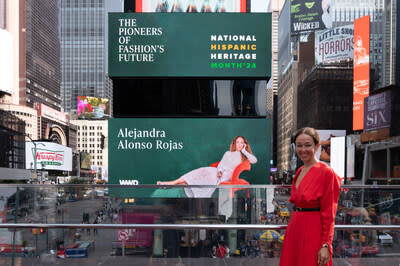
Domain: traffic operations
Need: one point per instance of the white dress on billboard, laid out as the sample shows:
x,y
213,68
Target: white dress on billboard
x,y
208,175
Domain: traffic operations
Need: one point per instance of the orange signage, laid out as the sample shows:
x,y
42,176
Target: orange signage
x,y
360,70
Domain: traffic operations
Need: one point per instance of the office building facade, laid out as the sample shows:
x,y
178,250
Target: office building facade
x,y
84,50
326,98
92,138
384,22
33,27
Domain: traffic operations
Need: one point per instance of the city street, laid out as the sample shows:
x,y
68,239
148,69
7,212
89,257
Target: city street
x,y
195,131
111,261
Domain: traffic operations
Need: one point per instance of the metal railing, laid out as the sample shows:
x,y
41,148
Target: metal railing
x,y
186,226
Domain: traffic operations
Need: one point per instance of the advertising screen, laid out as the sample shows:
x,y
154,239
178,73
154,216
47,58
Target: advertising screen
x,y
361,70
93,108
85,161
220,45
338,155
333,45
324,150
377,112
148,151
191,6
307,16
49,156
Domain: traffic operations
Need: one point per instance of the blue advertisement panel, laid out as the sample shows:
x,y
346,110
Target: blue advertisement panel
x,y
377,112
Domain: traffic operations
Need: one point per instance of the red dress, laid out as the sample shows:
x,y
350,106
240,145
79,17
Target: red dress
x,y
308,231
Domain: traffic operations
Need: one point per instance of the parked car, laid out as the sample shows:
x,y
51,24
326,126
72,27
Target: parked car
x,y
369,250
384,238
283,212
343,248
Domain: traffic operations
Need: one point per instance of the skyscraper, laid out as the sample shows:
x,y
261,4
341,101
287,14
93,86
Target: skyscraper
x,y
276,6
33,26
84,50
384,31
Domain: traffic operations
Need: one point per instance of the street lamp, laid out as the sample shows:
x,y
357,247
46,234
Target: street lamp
x,y
42,176
34,155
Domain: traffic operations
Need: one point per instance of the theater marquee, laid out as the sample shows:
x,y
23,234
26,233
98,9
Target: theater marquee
x,y
334,45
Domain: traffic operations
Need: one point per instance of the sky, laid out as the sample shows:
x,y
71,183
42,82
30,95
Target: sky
x,y
260,5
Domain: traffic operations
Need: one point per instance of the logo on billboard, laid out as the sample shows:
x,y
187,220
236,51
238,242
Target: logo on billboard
x,y
377,111
295,8
47,157
333,45
309,4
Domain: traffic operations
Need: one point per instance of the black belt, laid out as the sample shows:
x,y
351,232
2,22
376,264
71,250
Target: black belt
x,y
297,209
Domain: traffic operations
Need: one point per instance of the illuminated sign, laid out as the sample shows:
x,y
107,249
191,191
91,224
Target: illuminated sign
x,y
49,156
361,70
307,16
220,45
93,108
334,45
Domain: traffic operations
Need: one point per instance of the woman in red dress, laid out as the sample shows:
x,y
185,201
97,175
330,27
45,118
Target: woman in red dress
x,y
315,193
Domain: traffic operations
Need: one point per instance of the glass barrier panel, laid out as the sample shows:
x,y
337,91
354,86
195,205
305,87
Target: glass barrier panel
x,y
258,214
187,246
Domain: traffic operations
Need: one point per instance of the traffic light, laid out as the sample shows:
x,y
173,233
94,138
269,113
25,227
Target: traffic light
x,y
37,231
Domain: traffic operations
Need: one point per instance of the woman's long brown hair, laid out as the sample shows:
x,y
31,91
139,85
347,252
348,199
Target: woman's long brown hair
x,y
233,147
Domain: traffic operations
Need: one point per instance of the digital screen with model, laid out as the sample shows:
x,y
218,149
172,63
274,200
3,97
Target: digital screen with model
x,y
156,150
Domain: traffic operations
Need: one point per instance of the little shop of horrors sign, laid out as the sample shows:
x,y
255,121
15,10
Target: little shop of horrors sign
x,y
333,45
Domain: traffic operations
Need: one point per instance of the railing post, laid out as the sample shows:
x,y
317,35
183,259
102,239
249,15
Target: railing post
x,y
15,221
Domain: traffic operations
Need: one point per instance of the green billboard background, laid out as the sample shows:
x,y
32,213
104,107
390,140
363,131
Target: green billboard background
x,y
188,143
180,45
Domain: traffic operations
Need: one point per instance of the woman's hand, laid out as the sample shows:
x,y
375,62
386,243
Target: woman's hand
x,y
323,256
244,146
219,174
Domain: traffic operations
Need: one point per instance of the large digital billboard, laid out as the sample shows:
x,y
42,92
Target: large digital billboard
x,y
191,6
360,69
377,111
307,16
85,160
146,151
49,156
220,45
93,108
333,45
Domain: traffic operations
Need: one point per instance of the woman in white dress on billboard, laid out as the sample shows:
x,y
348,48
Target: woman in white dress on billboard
x,y
239,152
